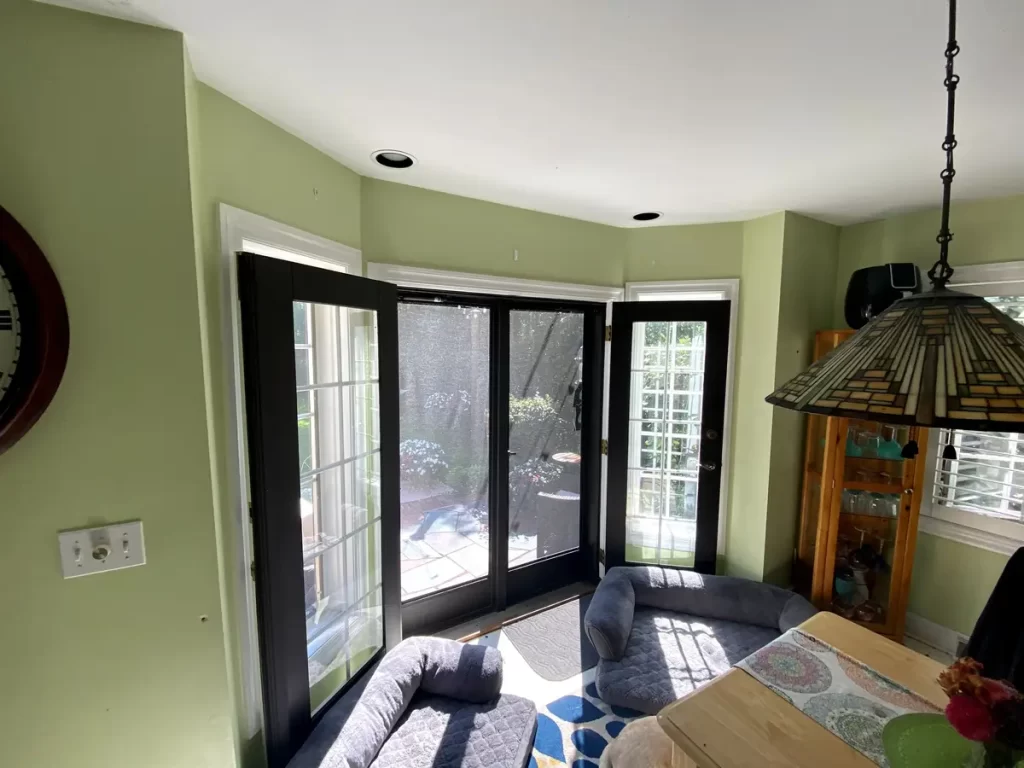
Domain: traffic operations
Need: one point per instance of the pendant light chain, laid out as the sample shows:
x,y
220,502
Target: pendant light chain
x,y
941,272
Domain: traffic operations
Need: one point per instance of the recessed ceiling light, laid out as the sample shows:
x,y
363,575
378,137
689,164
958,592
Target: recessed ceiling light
x,y
647,216
392,158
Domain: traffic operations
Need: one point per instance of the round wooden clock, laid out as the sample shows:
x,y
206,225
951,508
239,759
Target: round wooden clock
x,y
33,332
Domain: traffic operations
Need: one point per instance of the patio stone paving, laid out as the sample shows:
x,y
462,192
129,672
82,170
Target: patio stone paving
x,y
451,552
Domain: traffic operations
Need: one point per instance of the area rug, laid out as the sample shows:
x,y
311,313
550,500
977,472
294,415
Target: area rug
x,y
574,730
553,641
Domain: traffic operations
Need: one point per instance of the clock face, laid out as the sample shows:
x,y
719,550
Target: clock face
x,y
33,332
10,338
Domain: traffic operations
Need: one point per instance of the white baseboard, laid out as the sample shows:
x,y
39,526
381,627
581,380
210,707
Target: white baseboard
x,y
937,636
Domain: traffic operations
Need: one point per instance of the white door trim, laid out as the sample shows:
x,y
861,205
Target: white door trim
x,y
242,230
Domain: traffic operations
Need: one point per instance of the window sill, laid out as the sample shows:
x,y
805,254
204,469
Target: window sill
x,y
993,534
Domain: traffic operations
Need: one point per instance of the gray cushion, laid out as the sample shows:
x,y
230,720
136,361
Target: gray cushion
x,y
670,654
609,616
441,732
715,597
797,611
353,732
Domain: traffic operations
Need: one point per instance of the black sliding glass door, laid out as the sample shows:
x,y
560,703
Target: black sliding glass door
x,y
500,417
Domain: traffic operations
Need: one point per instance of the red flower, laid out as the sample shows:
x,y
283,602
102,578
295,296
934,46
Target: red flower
x,y
971,718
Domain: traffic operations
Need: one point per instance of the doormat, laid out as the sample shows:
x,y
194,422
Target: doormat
x,y
553,641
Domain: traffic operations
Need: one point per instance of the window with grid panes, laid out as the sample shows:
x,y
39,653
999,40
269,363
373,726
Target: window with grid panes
x,y
987,476
664,446
339,448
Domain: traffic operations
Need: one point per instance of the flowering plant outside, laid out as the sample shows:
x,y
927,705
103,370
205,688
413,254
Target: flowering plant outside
x,y
985,710
534,472
422,461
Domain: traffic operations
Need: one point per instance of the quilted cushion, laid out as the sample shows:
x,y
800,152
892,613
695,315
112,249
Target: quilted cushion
x,y
670,654
439,732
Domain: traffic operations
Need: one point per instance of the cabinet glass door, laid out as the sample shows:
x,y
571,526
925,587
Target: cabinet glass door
x,y
874,494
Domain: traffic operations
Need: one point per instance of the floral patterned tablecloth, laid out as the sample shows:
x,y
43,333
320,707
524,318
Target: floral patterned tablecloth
x,y
848,698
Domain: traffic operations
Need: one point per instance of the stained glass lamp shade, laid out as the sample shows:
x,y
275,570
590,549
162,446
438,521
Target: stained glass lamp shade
x,y
936,359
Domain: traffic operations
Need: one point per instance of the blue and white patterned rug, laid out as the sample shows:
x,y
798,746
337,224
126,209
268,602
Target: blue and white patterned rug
x,y
576,728
573,725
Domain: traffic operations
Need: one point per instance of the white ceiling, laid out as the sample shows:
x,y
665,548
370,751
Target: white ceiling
x,y
706,110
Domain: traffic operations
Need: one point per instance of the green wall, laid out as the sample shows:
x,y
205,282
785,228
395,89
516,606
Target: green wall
x,y
809,252
951,581
786,259
760,289
249,163
694,252
416,227
127,668
984,232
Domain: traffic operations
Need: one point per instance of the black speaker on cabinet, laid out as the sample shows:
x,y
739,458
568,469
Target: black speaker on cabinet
x,y
873,289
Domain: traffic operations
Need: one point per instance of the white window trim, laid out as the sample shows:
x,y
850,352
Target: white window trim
x,y
978,530
730,289
241,230
467,282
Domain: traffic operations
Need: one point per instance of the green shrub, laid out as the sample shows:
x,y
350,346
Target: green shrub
x,y
468,479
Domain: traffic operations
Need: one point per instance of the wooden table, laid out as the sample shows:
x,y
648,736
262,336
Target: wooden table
x,y
735,721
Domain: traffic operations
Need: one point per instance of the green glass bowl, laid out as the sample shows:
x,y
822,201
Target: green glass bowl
x,y
925,741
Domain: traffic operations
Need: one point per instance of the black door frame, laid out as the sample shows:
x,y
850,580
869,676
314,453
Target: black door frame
x,y
624,314
267,288
501,588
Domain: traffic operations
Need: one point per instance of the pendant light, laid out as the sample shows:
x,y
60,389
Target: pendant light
x,y
936,359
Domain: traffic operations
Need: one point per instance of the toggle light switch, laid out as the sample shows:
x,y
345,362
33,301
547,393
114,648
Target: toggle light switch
x,y
96,550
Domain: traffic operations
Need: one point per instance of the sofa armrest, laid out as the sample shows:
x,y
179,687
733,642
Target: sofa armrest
x,y
796,611
609,619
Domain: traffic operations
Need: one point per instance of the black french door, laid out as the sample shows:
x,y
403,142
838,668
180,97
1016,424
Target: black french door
x,y
321,380
416,458
665,426
500,451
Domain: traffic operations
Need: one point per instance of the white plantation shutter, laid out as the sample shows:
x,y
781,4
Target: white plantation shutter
x,y
988,475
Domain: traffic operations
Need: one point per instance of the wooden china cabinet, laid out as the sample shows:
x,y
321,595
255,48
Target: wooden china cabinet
x,y
859,513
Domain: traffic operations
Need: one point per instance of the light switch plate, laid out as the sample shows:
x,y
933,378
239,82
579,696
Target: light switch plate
x,y
98,550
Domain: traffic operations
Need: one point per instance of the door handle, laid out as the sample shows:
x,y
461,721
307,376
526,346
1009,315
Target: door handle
x,y
710,466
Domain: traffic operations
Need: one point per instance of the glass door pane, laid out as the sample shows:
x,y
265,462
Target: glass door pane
x,y
545,428
665,403
444,370
337,407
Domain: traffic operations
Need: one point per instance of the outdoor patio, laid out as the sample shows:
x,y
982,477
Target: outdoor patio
x,y
451,546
